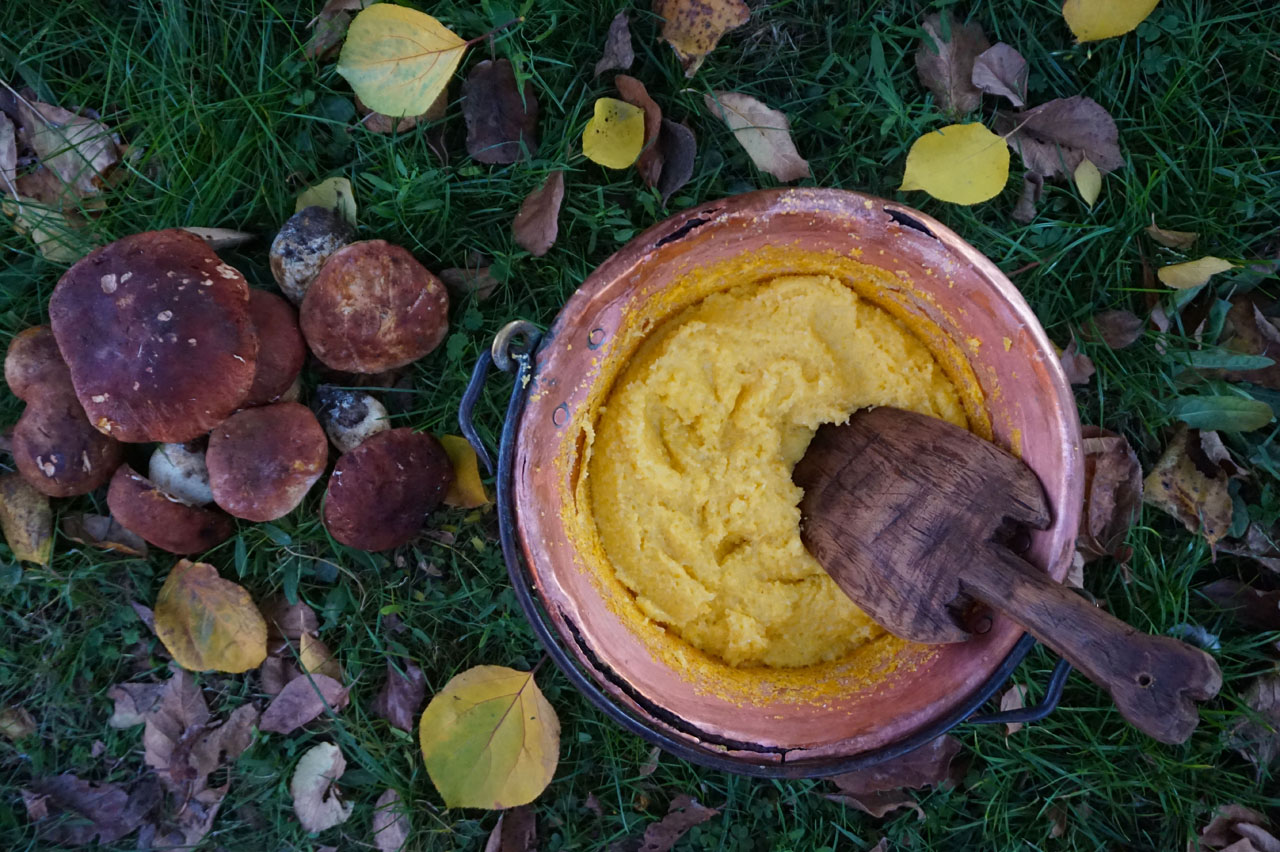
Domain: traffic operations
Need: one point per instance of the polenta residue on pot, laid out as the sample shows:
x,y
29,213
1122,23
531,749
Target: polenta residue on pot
x,y
689,468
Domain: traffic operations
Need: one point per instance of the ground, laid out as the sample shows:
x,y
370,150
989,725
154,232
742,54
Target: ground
x,y
232,121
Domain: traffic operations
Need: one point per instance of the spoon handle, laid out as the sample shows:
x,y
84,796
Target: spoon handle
x,y
1154,680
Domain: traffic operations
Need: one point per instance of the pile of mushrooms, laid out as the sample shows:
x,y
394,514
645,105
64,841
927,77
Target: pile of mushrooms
x,y
154,339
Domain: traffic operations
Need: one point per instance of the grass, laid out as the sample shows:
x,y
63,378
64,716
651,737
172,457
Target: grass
x,y
232,121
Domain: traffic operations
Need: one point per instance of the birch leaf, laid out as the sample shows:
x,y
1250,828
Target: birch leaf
x,y
959,163
26,519
1181,240
207,622
315,794
398,60
1193,273
694,27
765,133
615,134
1088,181
1091,20
1001,70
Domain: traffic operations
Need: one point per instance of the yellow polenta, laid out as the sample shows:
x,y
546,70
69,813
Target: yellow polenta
x,y
690,468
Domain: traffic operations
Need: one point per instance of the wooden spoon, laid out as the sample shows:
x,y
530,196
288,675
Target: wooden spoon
x,y
903,511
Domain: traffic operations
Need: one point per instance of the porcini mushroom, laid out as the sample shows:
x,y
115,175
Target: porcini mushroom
x,y
164,520
263,461
303,245
374,307
179,470
281,349
55,447
381,491
349,416
156,332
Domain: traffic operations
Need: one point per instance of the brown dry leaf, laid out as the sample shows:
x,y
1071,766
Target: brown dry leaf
x,y
1117,329
1188,483
316,657
1001,70
1112,494
479,282
17,723
618,54
1181,240
300,701
1054,137
207,622
693,27
223,745
765,133
47,189
1251,607
1014,699
651,762
8,156
376,122
329,27
501,121
633,92
288,621
515,831
1258,544
277,672
400,699
26,519
102,531
537,224
134,702
1253,333
79,150
1032,187
1078,366
945,62
316,799
683,813
929,765
390,823
1239,829
172,728
878,804
679,149
102,811
1257,738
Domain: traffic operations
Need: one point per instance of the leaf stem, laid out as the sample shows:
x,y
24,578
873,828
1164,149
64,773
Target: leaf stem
x,y
496,30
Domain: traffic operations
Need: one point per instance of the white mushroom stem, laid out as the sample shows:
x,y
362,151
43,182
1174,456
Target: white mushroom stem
x,y
180,472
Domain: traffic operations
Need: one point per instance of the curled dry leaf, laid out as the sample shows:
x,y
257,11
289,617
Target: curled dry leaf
x,y
1251,607
1054,137
515,831
945,62
1117,329
694,27
466,491
490,739
683,813
398,60
333,193
650,161
614,136
538,222
1193,273
1032,187
1091,20
401,695
1257,737
134,702
302,700
959,163
207,622
102,531
1015,698
679,148
1181,240
1001,70
102,811
1112,494
390,823
1078,366
1190,483
618,53
501,116
26,519
316,799
1239,829
765,133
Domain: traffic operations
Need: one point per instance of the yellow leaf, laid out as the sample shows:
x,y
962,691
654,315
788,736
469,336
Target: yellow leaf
x,y
316,657
466,491
1091,20
693,27
26,519
335,193
1193,273
615,134
1088,181
207,622
1171,239
398,60
959,163
490,739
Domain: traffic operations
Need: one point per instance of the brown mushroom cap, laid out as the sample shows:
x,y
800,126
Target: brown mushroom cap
x,y
381,491
281,349
374,307
164,521
303,245
33,366
59,452
156,332
262,461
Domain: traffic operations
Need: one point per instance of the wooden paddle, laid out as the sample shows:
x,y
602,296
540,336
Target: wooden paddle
x,y
904,510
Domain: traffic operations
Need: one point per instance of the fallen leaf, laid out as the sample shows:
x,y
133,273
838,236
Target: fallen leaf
x,y
1193,273
376,122
1239,829
53,233
398,60
401,695
316,657
1001,70
334,193
316,799
1078,366
26,519
538,222
1180,240
102,811
221,238
186,827
276,673
1251,607
466,491
945,62
1054,137
1192,487
501,117
879,804
1057,821
79,150
9,155
329,27
288,621
37,806
390,823
1257,737
1013,699
171,729
145,615
515,831
1228,413
1088,181
683,813
679,149
1032,187
615,134
134,702
223,745
1257,544
959,163
1091,20
301,701
929,765
207,622
1117,329
478,282
618,54
633,92
102,531
1253,333
17,723
1112,494
651,763
694,27
490,739
765,133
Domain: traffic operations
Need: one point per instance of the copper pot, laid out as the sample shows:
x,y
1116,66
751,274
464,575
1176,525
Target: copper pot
x,y
887,697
